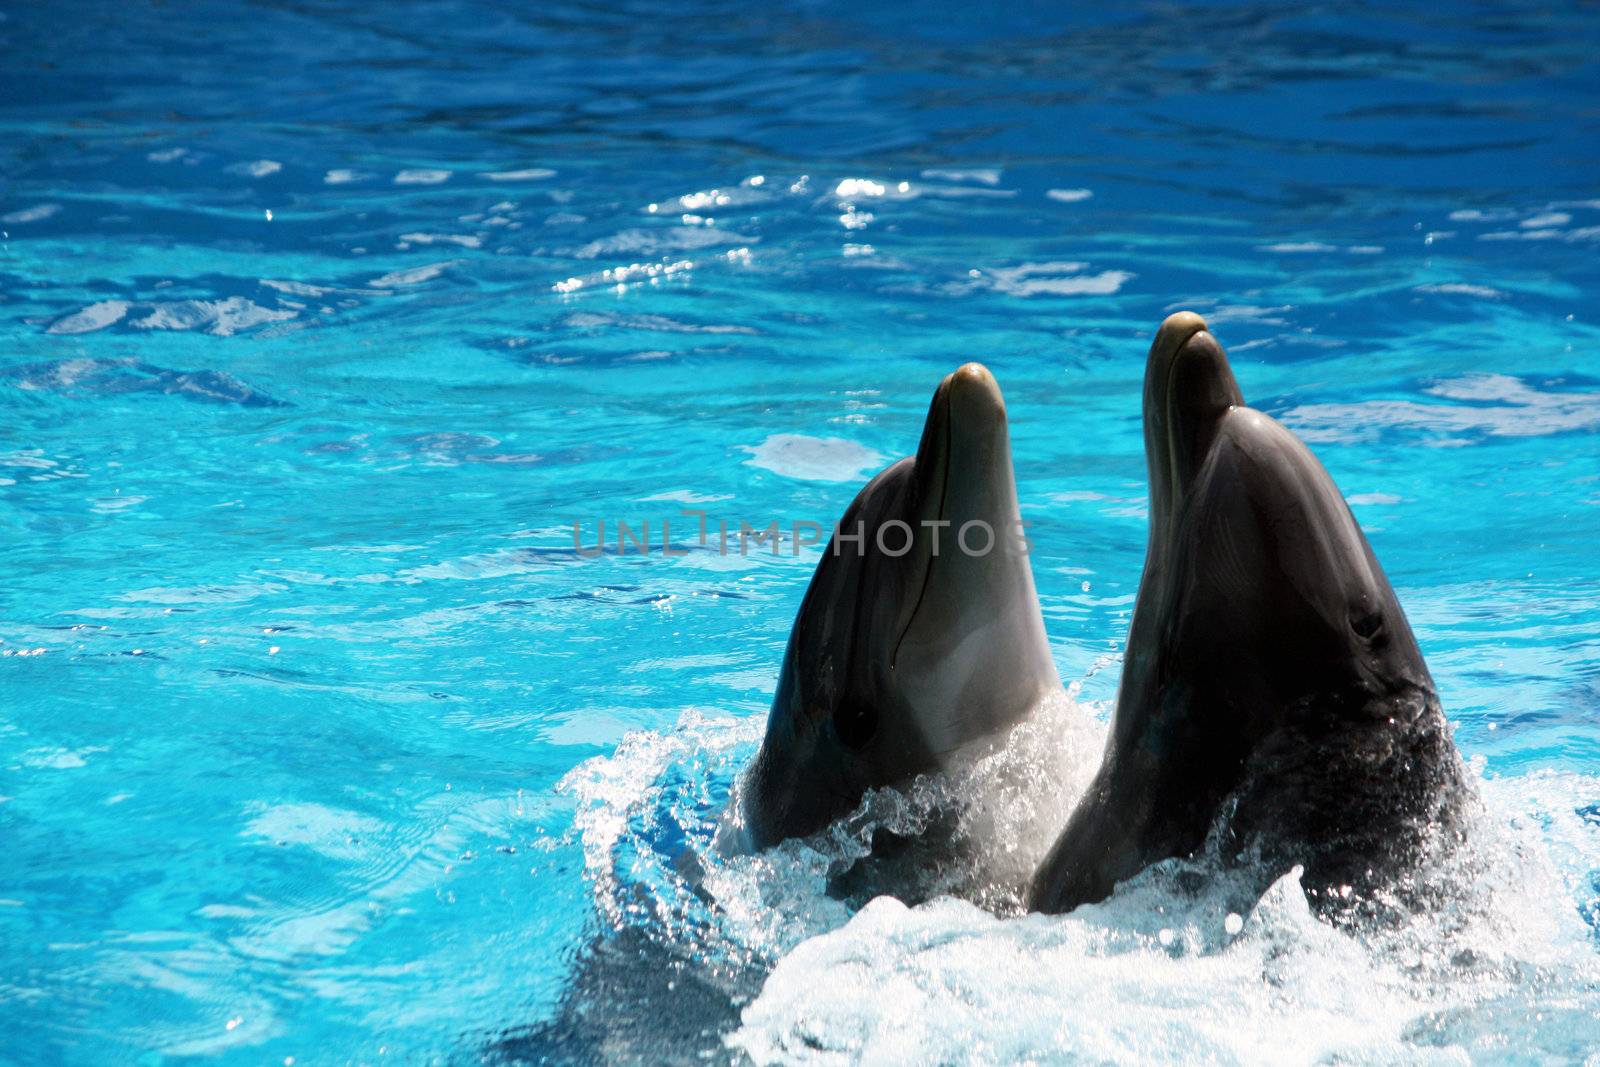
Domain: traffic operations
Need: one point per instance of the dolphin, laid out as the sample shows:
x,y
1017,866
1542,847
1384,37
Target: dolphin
x,y
919,639
911,651
1273,699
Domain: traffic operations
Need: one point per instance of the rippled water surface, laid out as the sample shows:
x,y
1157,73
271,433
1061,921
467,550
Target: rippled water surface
x,y
323,323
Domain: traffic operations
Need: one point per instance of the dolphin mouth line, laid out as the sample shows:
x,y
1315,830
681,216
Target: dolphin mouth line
x,y
1168,415
1180,477
927,573
1170,418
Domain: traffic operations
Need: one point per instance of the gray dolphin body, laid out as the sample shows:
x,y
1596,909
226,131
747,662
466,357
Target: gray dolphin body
x,y
1272,691
900,662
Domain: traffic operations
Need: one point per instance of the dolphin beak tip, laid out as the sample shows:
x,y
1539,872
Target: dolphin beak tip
x,y
975,394
1175,332
1174,336
1184,322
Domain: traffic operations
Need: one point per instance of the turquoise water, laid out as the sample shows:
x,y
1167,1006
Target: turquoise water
x,y
323,324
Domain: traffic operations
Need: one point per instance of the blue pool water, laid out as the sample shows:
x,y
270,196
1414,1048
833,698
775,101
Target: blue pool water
x,y
321,324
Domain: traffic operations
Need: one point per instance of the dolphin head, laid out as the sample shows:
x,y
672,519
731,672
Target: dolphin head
x,y
1249,533
920,632
1270,671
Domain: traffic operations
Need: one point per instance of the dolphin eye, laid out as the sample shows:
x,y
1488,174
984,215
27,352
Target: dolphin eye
x,y
1367,625
855,723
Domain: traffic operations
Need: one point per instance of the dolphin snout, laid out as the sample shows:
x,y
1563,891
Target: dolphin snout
x,y
1188,387
1175,332
1201,381
1190,364
974,397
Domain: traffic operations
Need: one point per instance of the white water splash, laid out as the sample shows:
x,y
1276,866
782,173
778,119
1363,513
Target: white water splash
x,y
1162,972
1156,974
1014,799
